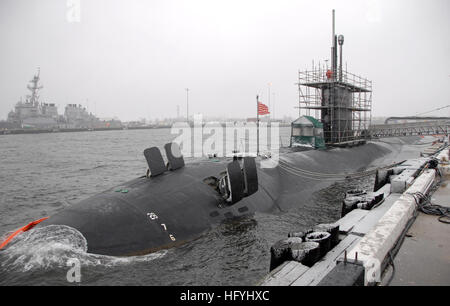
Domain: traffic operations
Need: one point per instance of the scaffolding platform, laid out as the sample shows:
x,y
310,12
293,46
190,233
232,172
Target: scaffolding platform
x,y
340,100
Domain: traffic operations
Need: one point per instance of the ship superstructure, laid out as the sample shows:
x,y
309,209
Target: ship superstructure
x,y
77,116
33,113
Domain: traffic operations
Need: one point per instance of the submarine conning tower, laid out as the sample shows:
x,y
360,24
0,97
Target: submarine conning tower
x,y
340,100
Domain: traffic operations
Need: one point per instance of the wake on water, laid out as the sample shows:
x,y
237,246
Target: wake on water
x,y
54,246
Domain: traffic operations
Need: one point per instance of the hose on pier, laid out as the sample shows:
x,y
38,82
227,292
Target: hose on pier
x,y
425,205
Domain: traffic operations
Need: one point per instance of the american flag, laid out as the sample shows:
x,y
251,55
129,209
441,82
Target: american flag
x,y
262,109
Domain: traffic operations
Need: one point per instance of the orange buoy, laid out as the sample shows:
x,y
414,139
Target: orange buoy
x,y
20,230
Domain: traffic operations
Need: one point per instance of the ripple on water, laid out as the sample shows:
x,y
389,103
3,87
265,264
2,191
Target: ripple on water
x,y
53,247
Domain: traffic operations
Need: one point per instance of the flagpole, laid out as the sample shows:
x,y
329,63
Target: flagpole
x,y
257,125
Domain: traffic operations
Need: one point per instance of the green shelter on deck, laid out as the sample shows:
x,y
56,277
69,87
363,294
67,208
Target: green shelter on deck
x,y
307,131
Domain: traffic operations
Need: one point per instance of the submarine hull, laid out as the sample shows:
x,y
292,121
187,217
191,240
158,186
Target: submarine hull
x,y
148,214
160,212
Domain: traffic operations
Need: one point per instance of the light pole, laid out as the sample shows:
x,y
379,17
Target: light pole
x,y
187,104
268,87
273,106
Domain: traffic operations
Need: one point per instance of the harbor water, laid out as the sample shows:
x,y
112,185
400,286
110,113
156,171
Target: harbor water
x,y
45,173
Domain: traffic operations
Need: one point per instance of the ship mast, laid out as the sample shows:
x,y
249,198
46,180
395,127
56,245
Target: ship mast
x,y
34,88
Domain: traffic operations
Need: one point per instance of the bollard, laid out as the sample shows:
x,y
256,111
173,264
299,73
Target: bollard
x,y
331,228
349,203
280,251
307,253
324,240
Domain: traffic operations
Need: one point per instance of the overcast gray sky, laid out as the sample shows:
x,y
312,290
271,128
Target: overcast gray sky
x,y
134,58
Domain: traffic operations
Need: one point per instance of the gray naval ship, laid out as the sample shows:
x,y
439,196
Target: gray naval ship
x,y
31,113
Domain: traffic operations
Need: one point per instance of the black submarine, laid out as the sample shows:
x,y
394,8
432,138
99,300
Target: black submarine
x,y
177,202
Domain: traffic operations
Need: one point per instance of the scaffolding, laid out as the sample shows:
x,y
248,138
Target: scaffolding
x,y
342,101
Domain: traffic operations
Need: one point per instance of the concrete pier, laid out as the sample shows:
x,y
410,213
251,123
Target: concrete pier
x,y
369,239
424,257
